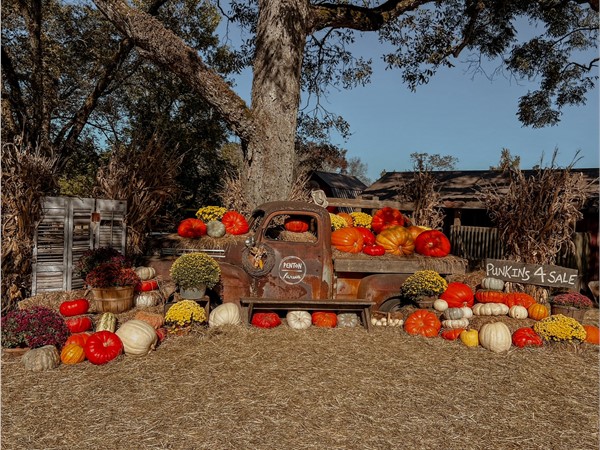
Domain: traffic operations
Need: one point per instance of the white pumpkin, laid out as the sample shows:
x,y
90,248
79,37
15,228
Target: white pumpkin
x,y
147,299
467,312
145,273
455,323
299,320
518,312
225,314
139,338
495,337
440,305
453,313
493,284
490,309
349,320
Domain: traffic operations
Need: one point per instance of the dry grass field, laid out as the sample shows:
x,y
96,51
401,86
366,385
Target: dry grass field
x,y
247,388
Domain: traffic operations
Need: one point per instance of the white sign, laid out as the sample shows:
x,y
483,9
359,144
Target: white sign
x,y
292,270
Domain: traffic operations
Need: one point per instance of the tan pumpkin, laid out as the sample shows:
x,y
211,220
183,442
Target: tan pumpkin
x,y
455,323
154,319
139,338
42,358
225,314
145,273
495,337
490,309
299,320
518,312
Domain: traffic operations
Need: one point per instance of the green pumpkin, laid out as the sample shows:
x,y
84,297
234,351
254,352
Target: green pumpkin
x,y
215,229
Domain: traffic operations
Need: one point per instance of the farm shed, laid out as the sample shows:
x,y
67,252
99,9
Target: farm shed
x,y
469,227
336,185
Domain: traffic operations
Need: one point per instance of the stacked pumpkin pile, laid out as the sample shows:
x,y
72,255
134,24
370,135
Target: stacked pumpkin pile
x,y
388,232
458,305
213,221
147,293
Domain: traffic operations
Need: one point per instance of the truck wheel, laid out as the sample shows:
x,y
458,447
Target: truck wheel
x,y
258,261
391,305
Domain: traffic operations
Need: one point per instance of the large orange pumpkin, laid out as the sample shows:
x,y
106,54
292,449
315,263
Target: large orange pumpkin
x,y
348,240
592,334
386,217
489,296
537,311
518,298
396,240
423,322
458,295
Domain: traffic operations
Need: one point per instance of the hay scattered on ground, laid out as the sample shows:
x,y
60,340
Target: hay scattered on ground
x,y
248,388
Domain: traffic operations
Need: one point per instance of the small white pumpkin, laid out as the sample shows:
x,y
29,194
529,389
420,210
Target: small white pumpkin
x,y
490,309
440,305
455,323
349,320
147,299
299,320
139,338
495,337
225,314
518,312
467,312
145,273
493,284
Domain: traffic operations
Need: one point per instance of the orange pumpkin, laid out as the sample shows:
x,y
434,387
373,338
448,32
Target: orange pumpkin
x,y
396,240
324,319
78,338
489,296
592,334
537,311
72,354
347,218
518,298
348,240
423,322
415,230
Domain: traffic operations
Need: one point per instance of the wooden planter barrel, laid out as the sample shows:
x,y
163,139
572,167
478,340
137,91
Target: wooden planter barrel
x,y
113,299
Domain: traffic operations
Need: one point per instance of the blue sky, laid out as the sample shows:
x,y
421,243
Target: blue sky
x,y
458,114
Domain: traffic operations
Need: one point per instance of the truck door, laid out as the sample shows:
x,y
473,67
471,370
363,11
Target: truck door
x,y
289,258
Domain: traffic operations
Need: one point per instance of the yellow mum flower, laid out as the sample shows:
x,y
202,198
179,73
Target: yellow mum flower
x,y
208,213
361,219
559,328
423,283
185,312
337,222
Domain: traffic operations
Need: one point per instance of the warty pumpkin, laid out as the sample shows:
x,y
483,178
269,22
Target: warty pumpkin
x,y
396,240
215,229
42,358
495,337
347,240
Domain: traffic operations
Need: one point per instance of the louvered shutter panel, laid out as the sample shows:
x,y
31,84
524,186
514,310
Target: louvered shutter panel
x,y
111,231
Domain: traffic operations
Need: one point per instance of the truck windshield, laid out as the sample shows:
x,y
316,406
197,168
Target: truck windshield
x,y
300,228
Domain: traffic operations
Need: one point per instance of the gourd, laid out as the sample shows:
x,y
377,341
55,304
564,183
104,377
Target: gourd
x,y
495,337
458,294
396,240
215,229
147,299
518,312
492,283
349,320
324,319
225,314
467,312
145,273
490,309
537,311
107,322
455,323
299,320
347,240
470,338
155,320
139,338
72,354
453,313
440,305
489,296
42,358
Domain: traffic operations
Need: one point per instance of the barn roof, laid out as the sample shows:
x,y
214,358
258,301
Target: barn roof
x,y
340,181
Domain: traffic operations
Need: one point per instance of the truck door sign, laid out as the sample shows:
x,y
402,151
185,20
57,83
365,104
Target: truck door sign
x,y
292,270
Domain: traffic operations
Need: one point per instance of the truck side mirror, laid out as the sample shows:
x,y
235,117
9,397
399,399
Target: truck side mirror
x,y
249,241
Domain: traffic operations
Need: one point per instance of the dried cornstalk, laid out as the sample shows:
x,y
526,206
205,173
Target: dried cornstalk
x,y
233,196
145,175
27,176
423,191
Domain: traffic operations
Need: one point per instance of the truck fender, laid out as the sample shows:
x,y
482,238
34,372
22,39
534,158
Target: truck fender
x,y
382,289
235,283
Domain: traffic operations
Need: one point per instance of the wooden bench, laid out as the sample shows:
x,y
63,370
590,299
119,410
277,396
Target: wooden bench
x,y
361,306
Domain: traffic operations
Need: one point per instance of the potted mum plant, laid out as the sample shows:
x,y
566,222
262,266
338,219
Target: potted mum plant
x,y
113,286
571,304
194,273
423,287
34,327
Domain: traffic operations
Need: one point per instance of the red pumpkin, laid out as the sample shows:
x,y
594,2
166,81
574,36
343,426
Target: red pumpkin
x,y
295,224
489,296
102,347
79,324
368,236
234,223
324,319
592,334
432,243
78,338
518,298
386,217
422,322
266,320
526,336
146,286
191,228
161,333
458,295
347,240
374,250
396,240
452,334
74,307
